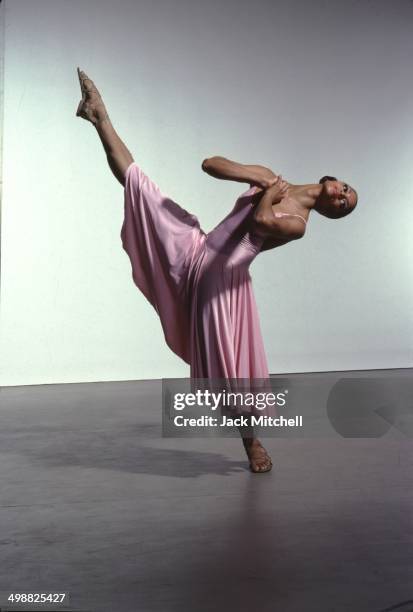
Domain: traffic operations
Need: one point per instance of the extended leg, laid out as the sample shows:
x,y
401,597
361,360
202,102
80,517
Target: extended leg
x,y
93,109
117,154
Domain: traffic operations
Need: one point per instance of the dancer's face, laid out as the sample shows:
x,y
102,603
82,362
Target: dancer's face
x,y
337,199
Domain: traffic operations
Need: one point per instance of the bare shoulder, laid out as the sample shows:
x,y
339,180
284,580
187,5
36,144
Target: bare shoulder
x,y
290,226
284,228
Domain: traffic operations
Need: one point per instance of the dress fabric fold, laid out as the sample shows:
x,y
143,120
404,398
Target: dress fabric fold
x,y
198,283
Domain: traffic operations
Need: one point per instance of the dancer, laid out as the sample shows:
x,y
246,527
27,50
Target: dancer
x,y
198,283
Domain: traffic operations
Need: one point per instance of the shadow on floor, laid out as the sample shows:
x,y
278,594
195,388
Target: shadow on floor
x,y
120,451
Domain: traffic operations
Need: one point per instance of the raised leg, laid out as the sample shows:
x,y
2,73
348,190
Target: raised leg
x,y
117,154
93,109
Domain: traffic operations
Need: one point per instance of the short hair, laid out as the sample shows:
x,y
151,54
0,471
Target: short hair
x,y
337,215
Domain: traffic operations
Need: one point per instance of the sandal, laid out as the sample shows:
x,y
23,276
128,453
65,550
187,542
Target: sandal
x,y
262,453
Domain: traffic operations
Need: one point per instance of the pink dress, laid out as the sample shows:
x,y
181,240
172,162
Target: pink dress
x,y
198,283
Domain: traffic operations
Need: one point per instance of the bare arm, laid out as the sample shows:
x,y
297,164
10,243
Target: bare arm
x,y
223,168
266,224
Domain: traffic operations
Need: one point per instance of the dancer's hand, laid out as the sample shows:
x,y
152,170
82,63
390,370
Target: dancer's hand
x,y
277,190
266,183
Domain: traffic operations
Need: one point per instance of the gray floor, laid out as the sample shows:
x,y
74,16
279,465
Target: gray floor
x,y
95,503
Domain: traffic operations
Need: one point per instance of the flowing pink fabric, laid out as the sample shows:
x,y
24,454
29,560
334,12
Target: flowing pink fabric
x,y
199,284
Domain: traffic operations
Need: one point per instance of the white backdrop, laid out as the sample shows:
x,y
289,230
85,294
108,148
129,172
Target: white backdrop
x,y
306,88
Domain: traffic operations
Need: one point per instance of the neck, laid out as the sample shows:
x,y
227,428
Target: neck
x,y
306,194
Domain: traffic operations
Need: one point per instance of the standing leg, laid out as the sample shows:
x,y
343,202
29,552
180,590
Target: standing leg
x,y
260,461
93,109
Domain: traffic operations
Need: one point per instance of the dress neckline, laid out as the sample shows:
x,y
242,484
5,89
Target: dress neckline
x,y
255,189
